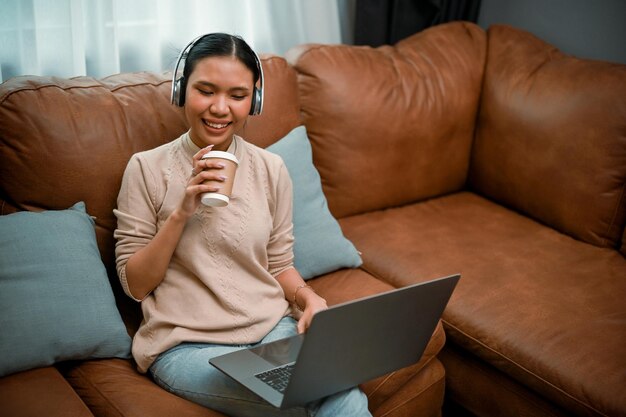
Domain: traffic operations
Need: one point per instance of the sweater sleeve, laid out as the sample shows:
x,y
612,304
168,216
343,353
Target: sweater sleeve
x,y
280,246
136,215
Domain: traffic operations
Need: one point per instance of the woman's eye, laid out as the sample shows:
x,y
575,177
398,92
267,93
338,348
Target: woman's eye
x,y
205,92
239,97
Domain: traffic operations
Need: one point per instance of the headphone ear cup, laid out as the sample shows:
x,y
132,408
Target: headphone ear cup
x,y
256,102
179,92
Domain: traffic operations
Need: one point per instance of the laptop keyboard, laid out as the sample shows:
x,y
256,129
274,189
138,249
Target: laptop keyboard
x,y
277,378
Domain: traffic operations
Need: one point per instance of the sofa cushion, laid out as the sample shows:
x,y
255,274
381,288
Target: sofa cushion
x,y
407,392
114,388
319,246
348,284
475,384
394,124
55,295
78,134
40,392
550,139
527,296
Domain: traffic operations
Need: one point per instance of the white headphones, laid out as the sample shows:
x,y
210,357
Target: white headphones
x,y
179,84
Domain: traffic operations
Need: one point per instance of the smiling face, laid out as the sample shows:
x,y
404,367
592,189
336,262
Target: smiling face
x,y
217,100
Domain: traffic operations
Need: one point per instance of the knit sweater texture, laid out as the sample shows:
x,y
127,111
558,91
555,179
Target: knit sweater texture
x,y
220,284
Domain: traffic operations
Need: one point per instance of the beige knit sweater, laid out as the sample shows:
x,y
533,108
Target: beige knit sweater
x,y
220,285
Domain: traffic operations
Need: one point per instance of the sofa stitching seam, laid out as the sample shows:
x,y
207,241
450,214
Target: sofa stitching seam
x,y
523,394
75,87
614,217
389,376
311,48
414,396
383,382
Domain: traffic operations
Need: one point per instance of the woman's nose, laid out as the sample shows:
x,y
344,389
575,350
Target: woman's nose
x,y
219,106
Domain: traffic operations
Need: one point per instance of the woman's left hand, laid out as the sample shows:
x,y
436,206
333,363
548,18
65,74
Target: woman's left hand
x,y
314,303
304,300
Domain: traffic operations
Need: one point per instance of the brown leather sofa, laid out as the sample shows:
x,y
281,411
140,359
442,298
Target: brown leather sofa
x,y
489,153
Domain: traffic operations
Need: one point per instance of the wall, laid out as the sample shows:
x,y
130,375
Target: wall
x,y
586,28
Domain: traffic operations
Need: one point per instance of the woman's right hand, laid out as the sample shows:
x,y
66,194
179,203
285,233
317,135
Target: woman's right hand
x,y
146,268
203,170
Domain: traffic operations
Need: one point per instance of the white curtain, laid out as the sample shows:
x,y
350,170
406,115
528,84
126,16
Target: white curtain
x,y
102,37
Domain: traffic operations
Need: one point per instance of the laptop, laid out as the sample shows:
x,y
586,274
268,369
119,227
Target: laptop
x,y
347,344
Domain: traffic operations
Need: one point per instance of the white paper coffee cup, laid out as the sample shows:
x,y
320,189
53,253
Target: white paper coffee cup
x,y
221,198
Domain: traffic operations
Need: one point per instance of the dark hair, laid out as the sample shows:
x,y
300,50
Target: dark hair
x,y
221,44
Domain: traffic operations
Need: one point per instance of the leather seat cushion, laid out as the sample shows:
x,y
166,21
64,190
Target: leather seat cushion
x,y
40,392
525,299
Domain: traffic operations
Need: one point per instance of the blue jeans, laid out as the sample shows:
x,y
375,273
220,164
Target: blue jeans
x,y
184,370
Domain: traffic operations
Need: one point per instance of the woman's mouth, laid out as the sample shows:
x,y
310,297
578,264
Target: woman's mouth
x,y
214,125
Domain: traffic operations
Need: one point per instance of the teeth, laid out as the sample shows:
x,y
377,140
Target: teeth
x,y
216,125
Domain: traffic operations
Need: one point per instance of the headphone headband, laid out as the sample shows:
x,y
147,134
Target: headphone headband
x,y
177,96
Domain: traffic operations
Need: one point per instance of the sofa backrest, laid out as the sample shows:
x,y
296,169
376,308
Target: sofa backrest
x,y
394,124
551,137
63,141
69,140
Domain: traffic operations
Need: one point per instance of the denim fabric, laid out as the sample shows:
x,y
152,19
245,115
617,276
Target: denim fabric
x,y
185,371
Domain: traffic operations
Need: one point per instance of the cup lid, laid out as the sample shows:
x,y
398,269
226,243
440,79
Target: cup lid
x,y
214,199
221,155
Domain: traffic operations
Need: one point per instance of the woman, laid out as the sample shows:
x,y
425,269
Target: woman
x,y
211,280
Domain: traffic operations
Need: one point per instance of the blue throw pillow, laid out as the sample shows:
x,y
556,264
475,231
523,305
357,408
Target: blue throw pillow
x,y
56,302
320,246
